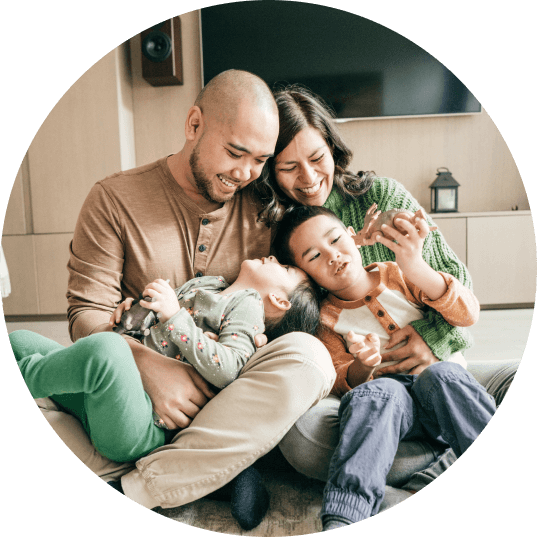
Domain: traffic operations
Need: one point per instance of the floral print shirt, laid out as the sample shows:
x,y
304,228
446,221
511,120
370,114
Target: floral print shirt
x,y
236,318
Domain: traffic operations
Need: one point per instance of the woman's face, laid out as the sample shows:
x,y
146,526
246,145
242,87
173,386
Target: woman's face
x,y
305,168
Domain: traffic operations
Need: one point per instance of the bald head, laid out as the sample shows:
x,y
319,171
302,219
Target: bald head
x,y
233,91
230,133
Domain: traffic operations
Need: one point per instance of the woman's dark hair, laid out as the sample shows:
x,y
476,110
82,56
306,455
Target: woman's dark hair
x,y
298,109
302,316
291,220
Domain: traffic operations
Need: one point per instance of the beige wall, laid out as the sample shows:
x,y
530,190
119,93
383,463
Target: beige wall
x,y
112,119
160,112
409,150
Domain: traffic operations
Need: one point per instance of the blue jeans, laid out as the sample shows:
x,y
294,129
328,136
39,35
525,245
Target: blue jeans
x,y
444,404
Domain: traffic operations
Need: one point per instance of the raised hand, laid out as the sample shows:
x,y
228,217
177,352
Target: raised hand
x,y
370,218
405,241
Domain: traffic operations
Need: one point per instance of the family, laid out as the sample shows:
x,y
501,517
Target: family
x,y
253,228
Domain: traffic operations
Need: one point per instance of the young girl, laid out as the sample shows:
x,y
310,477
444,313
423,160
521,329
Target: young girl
x,y
97,380
364,306
266,298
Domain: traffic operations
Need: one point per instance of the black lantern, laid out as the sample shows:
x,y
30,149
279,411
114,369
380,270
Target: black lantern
x,y
444,193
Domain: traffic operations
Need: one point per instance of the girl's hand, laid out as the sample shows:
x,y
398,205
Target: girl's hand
x,y
115,318
408,245
164,301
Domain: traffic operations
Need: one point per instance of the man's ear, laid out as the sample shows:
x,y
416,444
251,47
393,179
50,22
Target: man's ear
x,y
194,123
279,302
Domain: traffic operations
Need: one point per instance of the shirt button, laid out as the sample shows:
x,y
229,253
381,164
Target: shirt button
x,y
367,298
205,221
199,274
391,327
202,248
380,313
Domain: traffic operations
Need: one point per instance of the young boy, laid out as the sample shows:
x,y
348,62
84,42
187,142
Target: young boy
x,y
364,306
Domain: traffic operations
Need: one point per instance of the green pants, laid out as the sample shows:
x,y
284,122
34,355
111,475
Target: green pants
x,y
97,380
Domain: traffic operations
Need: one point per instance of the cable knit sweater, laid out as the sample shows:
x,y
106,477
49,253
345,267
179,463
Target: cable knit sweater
x,y
442,338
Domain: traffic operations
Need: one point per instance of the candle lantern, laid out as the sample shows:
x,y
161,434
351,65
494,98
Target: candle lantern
x,y
444,192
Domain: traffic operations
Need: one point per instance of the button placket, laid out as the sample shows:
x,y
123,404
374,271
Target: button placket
x,y
382,316
202,248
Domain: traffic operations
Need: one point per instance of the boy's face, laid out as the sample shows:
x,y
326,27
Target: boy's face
x,y
325,250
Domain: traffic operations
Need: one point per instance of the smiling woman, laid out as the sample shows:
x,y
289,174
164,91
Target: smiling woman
x,y
305,168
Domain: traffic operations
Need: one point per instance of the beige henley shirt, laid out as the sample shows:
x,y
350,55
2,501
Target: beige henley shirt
x,y
139,225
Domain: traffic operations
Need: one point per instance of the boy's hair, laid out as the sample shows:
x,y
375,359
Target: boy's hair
x,y
292,219
302,316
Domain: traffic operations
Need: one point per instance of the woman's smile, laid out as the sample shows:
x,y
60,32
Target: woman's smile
x,y
305,168
312,189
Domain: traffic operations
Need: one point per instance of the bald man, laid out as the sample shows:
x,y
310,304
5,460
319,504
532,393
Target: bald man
x,y
185,216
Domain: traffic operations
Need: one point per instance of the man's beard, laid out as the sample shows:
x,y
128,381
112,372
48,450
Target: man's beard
x,y
204,185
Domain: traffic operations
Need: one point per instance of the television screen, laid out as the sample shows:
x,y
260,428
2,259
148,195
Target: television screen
x,y
362,69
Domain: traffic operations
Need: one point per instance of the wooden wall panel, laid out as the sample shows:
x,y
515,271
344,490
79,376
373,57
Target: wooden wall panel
x,y
15,222
454,231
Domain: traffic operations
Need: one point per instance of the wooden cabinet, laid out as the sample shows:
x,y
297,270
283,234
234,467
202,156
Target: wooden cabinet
x,y
499,250
38,274
88,135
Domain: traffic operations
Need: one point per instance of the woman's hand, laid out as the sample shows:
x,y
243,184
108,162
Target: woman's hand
x,y
164,301
413,357
115,318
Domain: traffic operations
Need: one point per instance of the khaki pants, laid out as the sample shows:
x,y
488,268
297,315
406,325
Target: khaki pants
x,y
241,424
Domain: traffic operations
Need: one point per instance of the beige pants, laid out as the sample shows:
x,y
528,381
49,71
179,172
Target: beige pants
x,y
242,423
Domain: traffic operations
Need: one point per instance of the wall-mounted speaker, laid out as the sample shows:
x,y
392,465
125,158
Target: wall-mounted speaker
x,y
162,59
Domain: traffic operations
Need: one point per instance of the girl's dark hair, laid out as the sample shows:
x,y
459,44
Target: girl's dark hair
x,y
298,109
290,221
302,316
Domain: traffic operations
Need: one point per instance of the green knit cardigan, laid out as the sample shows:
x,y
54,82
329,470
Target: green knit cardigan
x,y
442,338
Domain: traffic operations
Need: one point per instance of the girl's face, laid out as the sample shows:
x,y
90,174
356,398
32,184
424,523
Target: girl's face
x,y
268,276
305,168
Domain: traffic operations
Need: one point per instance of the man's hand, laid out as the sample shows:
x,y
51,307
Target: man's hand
x,y
120,310
415,355
178,392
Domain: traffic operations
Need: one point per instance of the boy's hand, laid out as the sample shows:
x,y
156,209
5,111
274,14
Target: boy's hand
x,y
115,318
370,217
408,243
164,301
365,349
